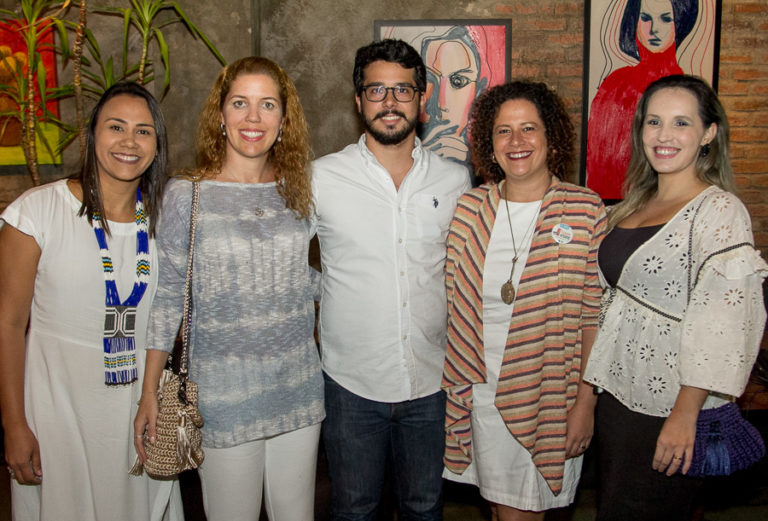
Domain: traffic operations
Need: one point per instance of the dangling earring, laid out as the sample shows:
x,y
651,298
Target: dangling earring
x,y
704,150
280,135
223,129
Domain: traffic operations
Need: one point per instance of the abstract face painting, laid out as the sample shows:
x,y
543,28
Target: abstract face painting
x,y
463,58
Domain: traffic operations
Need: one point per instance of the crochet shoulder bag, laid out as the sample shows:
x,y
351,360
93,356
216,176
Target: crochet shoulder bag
x,y
178,443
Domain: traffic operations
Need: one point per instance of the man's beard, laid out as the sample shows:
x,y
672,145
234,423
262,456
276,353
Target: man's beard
x,y
390,137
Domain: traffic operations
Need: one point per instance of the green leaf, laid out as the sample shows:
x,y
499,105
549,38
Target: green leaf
x,y
166,62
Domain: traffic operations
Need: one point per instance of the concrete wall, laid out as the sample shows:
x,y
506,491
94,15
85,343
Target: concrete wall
x,y
315,41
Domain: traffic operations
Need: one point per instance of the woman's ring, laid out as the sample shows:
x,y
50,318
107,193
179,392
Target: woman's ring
x,y
676,458
139,436
12,473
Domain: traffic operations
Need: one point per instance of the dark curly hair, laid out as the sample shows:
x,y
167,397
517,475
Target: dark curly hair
x,y
558,127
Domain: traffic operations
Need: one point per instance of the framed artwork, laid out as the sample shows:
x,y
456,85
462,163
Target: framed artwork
x,y
463,58
628,45
13,52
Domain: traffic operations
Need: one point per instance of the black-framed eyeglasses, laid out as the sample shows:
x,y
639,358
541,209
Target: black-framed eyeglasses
x,y
402,93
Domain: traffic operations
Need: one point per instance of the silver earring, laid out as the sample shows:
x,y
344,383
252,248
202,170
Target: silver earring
x,y
223,129
280,135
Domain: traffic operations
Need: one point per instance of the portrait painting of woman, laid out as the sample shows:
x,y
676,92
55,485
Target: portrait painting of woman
x,y
639,42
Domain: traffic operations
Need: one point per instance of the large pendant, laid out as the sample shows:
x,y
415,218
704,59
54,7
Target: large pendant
x,y
508,292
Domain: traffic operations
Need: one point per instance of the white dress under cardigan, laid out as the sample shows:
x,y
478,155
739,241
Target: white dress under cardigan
x,y
84,427
653,337
501,467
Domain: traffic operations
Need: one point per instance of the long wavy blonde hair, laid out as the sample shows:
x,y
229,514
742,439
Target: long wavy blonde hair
x,y
289,157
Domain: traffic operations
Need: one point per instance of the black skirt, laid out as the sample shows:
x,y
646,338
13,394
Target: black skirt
x,y
629,489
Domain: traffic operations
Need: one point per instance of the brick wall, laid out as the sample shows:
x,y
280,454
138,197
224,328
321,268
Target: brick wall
x,y
744,92
548,45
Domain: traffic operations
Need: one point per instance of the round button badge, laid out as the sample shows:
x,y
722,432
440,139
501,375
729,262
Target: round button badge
x,y
562,233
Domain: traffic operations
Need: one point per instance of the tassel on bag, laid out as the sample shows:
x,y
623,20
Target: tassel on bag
x,y
178,443
716,461
188,451
725,442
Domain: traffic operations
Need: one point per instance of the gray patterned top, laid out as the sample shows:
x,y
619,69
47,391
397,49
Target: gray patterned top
x,y
252,352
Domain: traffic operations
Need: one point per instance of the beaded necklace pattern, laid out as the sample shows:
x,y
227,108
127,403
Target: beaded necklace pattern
x,y
120,318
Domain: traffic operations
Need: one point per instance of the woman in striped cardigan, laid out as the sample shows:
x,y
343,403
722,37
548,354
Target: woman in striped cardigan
x,y
523,299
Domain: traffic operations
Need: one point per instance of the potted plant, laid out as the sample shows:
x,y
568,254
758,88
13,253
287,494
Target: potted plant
x,y
26,94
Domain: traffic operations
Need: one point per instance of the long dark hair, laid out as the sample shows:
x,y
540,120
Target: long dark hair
x,y
153,179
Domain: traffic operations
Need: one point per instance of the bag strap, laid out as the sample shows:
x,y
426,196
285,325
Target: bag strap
x,y
186,321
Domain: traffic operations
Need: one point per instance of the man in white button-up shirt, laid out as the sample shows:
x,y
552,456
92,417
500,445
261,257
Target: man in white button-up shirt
x,y
384,205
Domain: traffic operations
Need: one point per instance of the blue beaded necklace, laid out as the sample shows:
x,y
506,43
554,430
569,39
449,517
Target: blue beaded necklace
x,y
120,320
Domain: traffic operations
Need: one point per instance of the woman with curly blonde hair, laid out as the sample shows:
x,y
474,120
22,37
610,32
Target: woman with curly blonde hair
x,y
252,350
289,156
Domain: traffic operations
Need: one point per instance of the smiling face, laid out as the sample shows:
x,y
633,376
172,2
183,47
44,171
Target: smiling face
x,y
656,25
673,132
252,116
389,122
520,142
124,139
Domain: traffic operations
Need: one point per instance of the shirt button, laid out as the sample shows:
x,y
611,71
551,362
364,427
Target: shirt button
x,y
405,304
402,273
399,240
405,337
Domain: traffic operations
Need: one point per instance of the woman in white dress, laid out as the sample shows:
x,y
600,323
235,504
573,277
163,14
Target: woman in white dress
x,y
77,263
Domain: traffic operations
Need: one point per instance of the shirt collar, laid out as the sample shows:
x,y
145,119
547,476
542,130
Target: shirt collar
x,y
416,154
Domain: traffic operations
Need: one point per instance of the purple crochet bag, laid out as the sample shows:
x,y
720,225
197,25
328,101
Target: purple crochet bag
x,y
725,442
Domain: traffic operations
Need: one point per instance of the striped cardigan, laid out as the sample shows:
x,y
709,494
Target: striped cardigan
x,y
558,295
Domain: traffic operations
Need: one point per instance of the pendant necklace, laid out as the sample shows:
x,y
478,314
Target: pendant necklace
x,y
508,288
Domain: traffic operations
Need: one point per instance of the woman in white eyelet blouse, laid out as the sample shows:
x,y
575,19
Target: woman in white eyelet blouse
x,y
682,314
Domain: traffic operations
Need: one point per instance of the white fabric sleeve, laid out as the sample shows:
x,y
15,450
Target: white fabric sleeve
x,y
723,324
25,213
